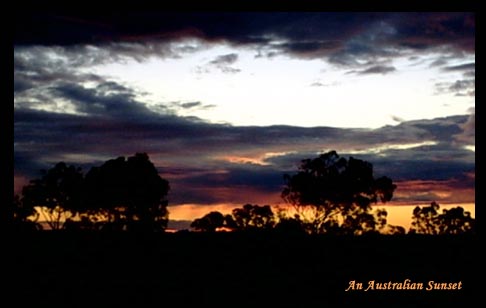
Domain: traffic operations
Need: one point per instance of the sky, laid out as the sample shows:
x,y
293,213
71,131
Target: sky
x,y
226,103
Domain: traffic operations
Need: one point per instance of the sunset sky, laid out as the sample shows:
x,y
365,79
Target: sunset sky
x,y
224,104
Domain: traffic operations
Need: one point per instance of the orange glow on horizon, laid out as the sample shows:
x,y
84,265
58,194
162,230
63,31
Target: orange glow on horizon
x,y
398,214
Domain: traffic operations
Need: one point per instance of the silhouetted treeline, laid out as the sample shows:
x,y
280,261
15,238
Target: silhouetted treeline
x,y
249,217
333,195
329,195
425,220
121,194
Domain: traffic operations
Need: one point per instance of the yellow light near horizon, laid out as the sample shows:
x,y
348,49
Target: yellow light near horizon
x,y
398,215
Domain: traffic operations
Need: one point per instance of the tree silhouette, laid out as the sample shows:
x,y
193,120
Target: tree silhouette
x,y
290,225
249,217
427,220
22,215
57,194
334,195
209,222
129,193
253,217
456,221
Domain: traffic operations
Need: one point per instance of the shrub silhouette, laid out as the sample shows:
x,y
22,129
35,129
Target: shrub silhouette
x,y
427,220
334,195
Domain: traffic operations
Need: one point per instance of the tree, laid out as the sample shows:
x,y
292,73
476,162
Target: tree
x,y
209,222
427,220
290,225
22,215
334,195
129,193
253,217
57,194
249,217
456,221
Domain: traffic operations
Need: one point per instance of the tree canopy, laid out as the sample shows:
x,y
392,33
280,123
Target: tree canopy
x,y
427,220
247,218
129,192
121,194
57,193
334,195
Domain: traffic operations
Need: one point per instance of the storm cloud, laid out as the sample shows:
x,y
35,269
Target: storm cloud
x,y
359,38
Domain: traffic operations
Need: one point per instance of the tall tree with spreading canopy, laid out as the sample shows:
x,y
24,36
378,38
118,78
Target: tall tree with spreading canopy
x,y
57,194
334,195
129,192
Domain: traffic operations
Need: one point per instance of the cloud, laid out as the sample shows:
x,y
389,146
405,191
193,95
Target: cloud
x,y
462,87
225,59
190,105
349,39
82,118
468,134
110,120
321,84
438,62
460,189
222,63
397,119
378,69
460,67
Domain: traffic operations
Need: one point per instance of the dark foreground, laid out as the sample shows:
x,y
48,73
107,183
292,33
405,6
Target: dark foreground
x,y
233,270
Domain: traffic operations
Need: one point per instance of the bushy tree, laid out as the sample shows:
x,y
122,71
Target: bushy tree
x,y
253,217
427,220
121,194
334,195
57,194
129,192
209,222
248,217
22,215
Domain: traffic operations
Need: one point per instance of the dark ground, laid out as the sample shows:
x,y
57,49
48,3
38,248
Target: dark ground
x,y
48,269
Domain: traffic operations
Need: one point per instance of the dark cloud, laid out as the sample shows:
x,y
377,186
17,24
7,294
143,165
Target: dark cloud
x,y
460,67
197,156
222,63
429,30
438,62
464,87
85,119
379,69
190,105
342,38
225,59
468,134
397,118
